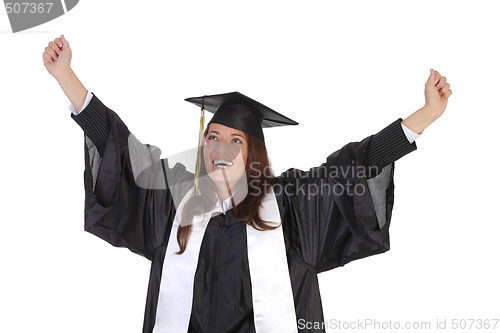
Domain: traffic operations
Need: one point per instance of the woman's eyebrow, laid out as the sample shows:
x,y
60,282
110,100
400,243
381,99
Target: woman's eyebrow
x,y
233,134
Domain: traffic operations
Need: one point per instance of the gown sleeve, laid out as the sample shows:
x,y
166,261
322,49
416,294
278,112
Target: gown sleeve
x,y
341,211
127,198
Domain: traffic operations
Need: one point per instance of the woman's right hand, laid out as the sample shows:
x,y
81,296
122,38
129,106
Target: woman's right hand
x,y
57,57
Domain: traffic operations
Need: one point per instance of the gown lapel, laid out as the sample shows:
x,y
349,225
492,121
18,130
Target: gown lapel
x,y
272,296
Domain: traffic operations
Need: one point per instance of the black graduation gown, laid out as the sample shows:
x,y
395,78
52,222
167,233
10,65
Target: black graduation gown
x,y
322,230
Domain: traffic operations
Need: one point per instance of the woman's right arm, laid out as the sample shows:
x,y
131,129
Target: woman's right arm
x,y
117,208
57,60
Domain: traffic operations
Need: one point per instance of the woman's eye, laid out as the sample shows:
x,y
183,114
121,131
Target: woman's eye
x,y
212,137
237,140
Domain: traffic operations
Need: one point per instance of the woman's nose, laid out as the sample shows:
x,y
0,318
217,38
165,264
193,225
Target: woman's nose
x,y
226,150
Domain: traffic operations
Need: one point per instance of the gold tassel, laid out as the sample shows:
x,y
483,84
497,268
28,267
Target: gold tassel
x,y
198,160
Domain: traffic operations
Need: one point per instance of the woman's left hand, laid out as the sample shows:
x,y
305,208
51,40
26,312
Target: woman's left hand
x,y
437,92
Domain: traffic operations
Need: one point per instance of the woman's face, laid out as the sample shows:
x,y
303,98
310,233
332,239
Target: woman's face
x,y
225,152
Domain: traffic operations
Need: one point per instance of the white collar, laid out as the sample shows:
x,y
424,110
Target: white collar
x,y
223,206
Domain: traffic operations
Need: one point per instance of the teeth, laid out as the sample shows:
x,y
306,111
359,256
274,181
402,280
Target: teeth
x,y
222,163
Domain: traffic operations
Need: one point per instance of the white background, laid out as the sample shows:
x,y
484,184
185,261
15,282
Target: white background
x,y
343,70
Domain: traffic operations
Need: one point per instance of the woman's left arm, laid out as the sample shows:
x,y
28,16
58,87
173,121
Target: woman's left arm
x,y
341,211
437,92
392,143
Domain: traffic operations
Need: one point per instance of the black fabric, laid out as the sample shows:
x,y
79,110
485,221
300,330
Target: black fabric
x,y
94,122
222,291
387,146
240,117
238,111
322,231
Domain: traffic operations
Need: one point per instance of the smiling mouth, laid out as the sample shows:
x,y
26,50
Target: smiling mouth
x,y
222,163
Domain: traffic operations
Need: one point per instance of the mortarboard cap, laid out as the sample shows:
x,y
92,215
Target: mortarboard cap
x,y
238,111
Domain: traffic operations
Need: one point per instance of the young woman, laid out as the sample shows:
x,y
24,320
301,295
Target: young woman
x,y
235,248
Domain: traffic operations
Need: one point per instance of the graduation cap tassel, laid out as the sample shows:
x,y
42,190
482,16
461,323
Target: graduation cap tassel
x,y
198,160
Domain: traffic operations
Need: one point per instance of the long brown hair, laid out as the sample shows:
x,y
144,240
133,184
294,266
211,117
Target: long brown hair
x,y
259,178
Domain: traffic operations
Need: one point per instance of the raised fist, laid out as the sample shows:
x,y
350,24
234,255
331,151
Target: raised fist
x,y
57,56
